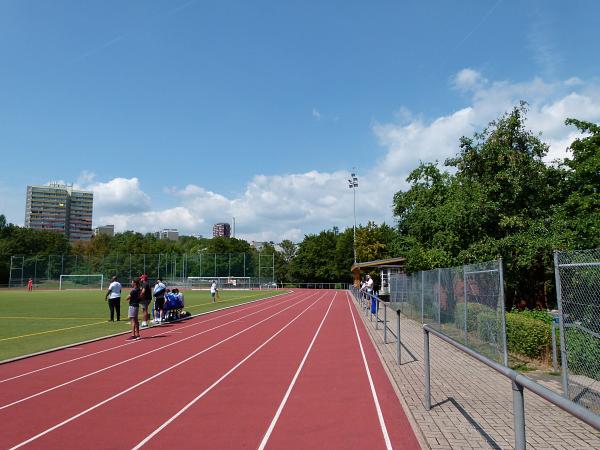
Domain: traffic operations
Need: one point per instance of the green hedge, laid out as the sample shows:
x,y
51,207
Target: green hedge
x,y
489,328
527,336
583,353
473,311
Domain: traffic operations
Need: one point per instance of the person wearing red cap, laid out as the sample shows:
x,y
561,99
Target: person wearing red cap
x,y
145,298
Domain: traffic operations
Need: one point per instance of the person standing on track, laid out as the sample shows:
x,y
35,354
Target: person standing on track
x,y
145,298
159,301
113,297
30,285
213,291
134,305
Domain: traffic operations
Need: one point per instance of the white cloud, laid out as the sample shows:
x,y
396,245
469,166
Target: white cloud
x,y
289,205
468,80
117,196
316,114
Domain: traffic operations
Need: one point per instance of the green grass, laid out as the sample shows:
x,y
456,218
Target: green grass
x,y
34,321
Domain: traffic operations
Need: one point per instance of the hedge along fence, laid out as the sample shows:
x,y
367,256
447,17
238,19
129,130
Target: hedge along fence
x,y
528,333
583,353
528,336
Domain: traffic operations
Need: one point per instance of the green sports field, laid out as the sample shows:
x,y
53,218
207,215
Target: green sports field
x,y
34,321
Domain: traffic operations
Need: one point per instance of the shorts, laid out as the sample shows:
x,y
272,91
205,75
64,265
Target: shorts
x,y
159,303
144,304
133,312
213,293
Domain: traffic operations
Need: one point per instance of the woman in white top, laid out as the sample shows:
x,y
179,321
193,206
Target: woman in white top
x,y
113,296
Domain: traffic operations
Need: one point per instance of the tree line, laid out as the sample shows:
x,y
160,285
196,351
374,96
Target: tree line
x,y
495,198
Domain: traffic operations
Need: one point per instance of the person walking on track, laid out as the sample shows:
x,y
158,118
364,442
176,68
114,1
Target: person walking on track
x,y
113,297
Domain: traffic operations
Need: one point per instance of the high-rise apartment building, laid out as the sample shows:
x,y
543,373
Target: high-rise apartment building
x,y
107,230
60,208
221,230
168,233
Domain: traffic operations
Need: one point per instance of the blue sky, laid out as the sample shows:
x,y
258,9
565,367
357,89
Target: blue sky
x,y
184,113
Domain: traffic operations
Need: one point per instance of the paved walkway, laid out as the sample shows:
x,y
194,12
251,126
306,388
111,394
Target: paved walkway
x,y
472,404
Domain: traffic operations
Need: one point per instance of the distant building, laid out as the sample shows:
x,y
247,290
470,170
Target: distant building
x,y
60,208
198,236
258,246
168,233
221,230
107,230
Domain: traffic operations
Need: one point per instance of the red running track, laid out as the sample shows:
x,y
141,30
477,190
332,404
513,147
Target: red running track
x,y
290,372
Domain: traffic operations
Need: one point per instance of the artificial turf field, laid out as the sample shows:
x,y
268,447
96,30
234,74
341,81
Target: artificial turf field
x,y
40,320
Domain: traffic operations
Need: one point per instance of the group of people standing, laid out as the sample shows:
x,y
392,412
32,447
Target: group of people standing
x,y
139,297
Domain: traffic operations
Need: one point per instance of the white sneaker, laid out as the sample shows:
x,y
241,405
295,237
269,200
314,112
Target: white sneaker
x,y
144,324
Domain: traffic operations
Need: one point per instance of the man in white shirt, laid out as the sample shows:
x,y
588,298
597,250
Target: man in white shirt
x,y
159,301
213,291
369,285
113,297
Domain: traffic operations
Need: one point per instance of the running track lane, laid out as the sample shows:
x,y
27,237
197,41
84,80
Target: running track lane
x,y
249,381
32,377
61,404
59,358
332,404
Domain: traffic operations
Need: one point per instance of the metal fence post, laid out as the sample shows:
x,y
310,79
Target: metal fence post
x,y
439,296
465,294
561,321
384,323
422,296
519,415
503,304
376,314
554,355
399,342
427,372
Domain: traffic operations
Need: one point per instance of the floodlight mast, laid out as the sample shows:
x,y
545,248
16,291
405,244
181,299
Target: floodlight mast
x,y
353,184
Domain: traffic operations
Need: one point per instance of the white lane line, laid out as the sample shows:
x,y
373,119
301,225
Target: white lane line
x,y
386,436
267,435
141,355
269,300
168,369
229,372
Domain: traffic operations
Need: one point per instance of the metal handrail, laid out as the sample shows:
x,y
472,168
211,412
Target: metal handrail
x,y
519,382
365,299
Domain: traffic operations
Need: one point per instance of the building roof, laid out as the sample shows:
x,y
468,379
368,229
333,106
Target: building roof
x,y
380,263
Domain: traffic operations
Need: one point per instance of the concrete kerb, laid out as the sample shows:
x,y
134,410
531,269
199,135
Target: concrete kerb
x,y
101,338
409,415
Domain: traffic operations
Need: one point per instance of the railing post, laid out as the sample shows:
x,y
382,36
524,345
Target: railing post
x,y
426,366
377,314
519,415
384,323
399,343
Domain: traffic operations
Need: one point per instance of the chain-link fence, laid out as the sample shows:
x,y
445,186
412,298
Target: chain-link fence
x,y
438,297
45,271
578,291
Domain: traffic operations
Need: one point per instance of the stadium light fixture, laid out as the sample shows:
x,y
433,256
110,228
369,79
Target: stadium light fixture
x,y
353,184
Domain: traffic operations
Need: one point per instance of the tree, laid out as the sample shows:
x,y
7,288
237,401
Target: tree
x,y
499,203
581,208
